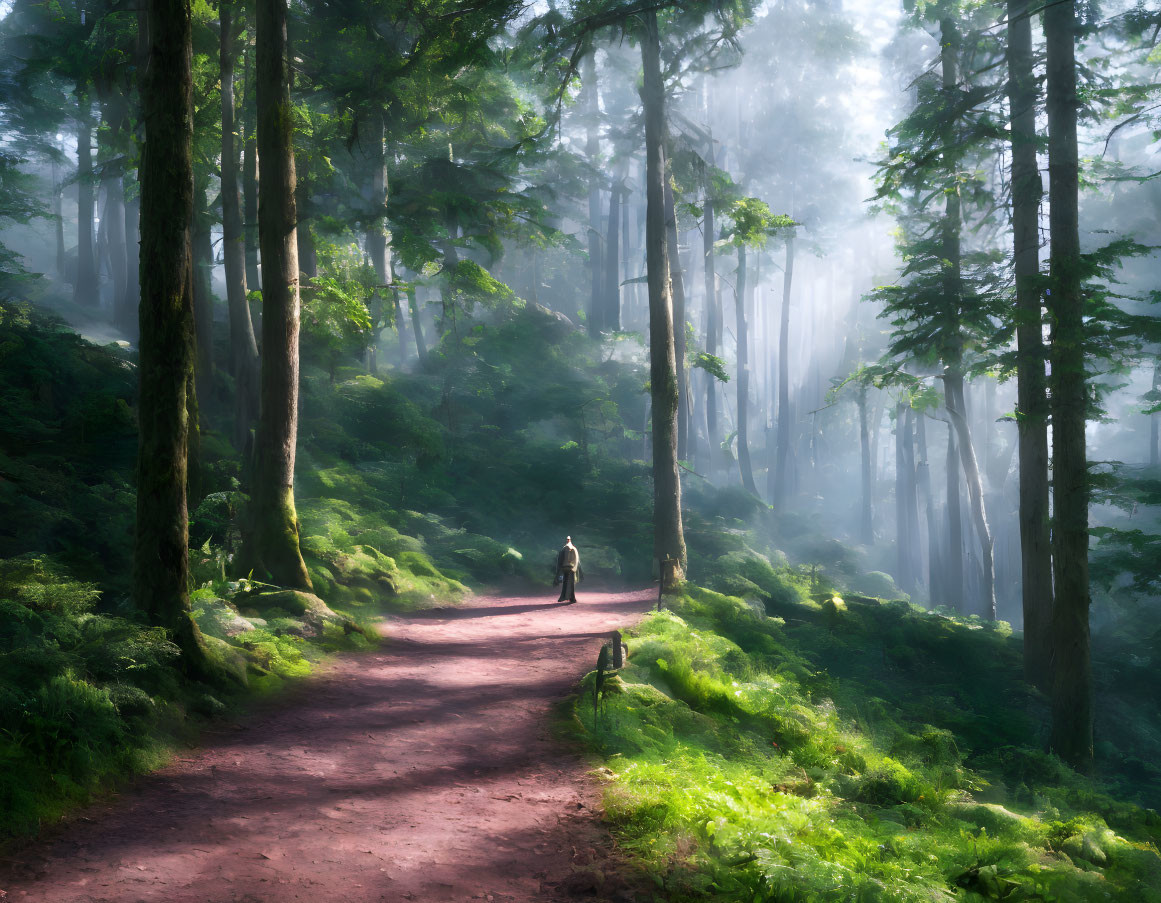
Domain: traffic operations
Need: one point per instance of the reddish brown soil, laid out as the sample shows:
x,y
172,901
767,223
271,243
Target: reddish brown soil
x,y
425,771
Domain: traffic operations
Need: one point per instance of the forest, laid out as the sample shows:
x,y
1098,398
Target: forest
x,y
827,330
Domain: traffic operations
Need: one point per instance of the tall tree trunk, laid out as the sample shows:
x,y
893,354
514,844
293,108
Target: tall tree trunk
x,y
975,489
114,224
593,151
1032,420
243,345
377,232
923,478
713,311
952,340
953,584
203,262
785,446
677,283
250,172
668,535
307,256
1154,423
743,422
126,319
612,313
85,288
866,507
58,219
161,543
273,542
903,576
1072,732
416,325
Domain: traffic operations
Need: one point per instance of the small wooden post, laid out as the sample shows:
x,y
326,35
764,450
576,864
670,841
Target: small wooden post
x,y
617,660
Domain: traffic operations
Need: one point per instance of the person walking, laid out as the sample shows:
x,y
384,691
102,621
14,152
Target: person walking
x,y
567,567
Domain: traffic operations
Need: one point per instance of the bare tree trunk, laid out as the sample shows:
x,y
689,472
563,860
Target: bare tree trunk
x,y
866,508
273,543
1072,716
596,322
416,326
744,465
668,535
785,446
203,261
250,174
678,287
713,310
85,288
243,345
975,493
1032,422
161,544
923,478
1154,423
612,313
953,585
114,224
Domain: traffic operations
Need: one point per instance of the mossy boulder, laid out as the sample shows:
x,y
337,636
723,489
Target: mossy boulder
x,y
304,608
878,584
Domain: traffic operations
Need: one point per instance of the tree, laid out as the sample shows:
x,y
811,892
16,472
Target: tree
x,y
668,534
243,345
1032,417
272,542
1072,731
161,546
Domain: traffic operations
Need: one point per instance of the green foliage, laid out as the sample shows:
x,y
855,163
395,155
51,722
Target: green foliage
x,y
742,766
713,365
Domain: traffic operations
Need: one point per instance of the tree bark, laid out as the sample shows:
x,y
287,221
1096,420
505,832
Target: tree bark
x,y
923,478
612,312
668,535
785,447
975,488
1032,401
114,224
85,288
713,308
273,542
161,543
203,262
243,345
377,232
250,173
677,282
866,508
416,326
953,584
1072,730
743,422
1154,423
596,323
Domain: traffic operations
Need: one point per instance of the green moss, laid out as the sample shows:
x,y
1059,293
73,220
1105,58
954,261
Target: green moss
x,y
737,770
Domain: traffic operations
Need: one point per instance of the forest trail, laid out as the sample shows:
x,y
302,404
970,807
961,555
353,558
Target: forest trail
x,y
424,771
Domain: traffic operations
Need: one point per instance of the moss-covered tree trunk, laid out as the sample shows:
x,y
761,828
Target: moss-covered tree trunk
x,y
1032,400
1072,733
161,544
243,345
668,535
272,541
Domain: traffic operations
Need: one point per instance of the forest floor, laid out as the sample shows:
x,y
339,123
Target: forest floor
x,y
427,770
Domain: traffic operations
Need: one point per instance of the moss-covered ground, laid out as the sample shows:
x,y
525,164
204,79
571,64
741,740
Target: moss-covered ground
x,y
836,748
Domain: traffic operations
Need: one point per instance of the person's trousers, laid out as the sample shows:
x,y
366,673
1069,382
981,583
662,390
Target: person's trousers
x,y
568,587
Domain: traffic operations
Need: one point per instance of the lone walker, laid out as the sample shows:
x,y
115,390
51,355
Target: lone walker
x,y
567,566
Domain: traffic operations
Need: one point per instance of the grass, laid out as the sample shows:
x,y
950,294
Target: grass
x,y
737,769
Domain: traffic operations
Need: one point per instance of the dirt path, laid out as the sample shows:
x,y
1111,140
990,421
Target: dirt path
x,y
422,772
